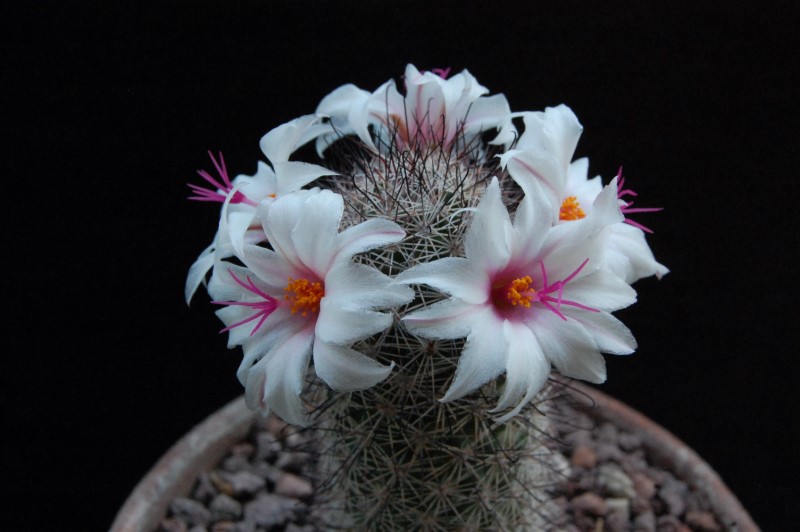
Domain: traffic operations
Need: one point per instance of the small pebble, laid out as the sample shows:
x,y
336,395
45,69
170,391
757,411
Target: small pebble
x,y
292,461
614,481
190,511
589,503
702,521
608,452
673,494
244,482
584,456
619,515
224,508
204,489
607,433
267,447
628,442
293,486
268,510
643,485
645,522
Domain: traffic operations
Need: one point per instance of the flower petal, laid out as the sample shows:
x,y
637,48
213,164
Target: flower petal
x,y
483,358
571,349
600,290
282,141
527,369
536,171
532,222
370,234
629,255
316,230
350,284
277,328
456,276
488,113
610,335
268,266
291,175
340,106
345,369
197,272
340,325
489,235
279,219
446,320
557,130
275,382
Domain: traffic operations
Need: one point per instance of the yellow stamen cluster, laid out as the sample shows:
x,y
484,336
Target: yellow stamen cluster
x,y
304,295
571,209
520,292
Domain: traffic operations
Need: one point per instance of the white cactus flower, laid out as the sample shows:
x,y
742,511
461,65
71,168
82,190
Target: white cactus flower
x,y
305,297
527,295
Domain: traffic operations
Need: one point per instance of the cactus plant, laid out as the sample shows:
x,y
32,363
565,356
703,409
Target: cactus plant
x,y
444,255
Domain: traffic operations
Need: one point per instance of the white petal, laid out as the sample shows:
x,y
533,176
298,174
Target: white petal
x,y
571,349
631,257
198,271
527,369
532,222
340,325
279,327
557,130
359,285
488,238
610,335
316,230
448,319
345,369
279,220
488,113
268,266
456,276
236,226
601,290
347,109
223,286
282,141
291,175
275,382
533,167
483,358
367,235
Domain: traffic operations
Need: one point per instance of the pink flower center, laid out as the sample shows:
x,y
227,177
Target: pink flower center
x,y
518,294
261,309
304,295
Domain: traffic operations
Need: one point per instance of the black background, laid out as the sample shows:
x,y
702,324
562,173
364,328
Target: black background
x,y
111,108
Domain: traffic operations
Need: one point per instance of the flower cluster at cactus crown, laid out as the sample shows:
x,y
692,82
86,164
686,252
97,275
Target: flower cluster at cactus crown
x,y
530,285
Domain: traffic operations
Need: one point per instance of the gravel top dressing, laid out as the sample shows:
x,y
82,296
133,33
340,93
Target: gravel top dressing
x,y
613,484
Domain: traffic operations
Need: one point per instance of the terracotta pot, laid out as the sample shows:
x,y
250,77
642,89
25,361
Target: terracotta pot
x,y
207,443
